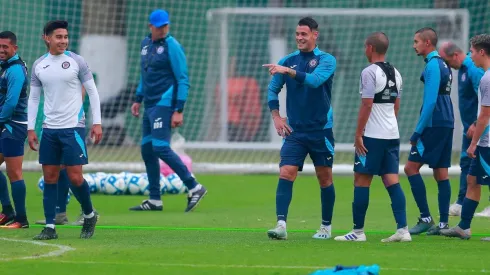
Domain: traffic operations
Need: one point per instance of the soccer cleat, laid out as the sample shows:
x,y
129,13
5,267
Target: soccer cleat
x,y
59,219
352,237
485,213
455,210
435,230
457,232
324,233
88,228
278,233
80,219
421,227
17,225
146,205
401,235
6,218
195,197
46,234
487,239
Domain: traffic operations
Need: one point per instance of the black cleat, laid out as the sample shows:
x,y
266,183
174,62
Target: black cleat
x,y
88,227
146,205
6,218
47,234
194,198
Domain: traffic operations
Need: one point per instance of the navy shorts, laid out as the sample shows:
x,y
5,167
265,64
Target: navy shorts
x,y
318,144
157,125
63,146
434,148
12,139
480,166
382,158
464,160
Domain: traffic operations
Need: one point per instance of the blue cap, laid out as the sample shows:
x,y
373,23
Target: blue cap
x,y
159,18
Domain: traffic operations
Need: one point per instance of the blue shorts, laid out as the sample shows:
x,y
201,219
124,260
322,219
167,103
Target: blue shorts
x,y
433,148
464,160
63,146
12,139
480,166
157,125
318,144
382,158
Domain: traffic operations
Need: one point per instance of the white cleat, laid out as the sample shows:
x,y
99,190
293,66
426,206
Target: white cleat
x,y
401,235
279,232
324,233
455,210
352,237
485,213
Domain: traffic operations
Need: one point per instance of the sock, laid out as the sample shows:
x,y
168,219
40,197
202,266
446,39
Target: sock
x,y
19,198
152,170
156,202
398,205
467,212
49,202
444,197
173,160
462,185
327,196
360,206
63,189
284,194
419,194
4,191
82,193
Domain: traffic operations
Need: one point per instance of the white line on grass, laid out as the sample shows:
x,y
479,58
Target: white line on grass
x,y
61,250
440,270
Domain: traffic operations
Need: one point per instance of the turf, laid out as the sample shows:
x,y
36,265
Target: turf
x,y
226,235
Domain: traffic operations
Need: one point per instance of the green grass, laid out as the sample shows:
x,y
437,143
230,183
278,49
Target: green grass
x,y
233,219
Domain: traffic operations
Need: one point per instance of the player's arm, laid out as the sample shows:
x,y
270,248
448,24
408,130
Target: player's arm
x,y
15,82
474,73
179,68
483,117
325,69
275,87
368,90
431,91
34,99
139,91
399,83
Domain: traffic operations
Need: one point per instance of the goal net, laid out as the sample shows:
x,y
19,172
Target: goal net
x,y
227,124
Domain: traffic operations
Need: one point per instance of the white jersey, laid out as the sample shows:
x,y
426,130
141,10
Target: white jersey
x,y
484,100
382,123
61,77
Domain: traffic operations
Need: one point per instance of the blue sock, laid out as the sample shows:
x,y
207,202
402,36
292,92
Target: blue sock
x,y
398,205
462,185
19,197
173,160
49,201
444,197
284,194
467,212
63,189
419,194
327,196
4,193
82,193
360,206
152,171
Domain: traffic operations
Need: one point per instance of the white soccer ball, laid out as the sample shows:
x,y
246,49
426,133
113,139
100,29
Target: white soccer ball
x,y
115,185
91,180
163,184
175,185
144,185
132,181
40,183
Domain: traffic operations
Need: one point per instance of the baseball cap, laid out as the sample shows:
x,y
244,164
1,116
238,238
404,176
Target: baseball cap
x,y
159,18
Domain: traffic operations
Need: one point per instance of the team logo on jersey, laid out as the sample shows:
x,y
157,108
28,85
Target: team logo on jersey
x,y
313,63
144,51
463,77
160,50
65,65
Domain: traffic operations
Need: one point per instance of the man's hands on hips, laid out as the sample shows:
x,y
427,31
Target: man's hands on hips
x,y
135,109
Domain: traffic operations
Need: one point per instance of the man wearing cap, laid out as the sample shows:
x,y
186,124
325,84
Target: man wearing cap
x,y
163,87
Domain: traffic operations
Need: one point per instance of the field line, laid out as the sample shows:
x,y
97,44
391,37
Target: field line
x,y
61,249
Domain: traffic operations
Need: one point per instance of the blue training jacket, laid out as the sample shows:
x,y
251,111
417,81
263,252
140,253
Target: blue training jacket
x,y
469,76
13,91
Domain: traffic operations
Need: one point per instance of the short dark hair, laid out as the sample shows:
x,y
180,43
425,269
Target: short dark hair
x,y
380,42
309,22
481,42
451,48
54,25
9,35
428,34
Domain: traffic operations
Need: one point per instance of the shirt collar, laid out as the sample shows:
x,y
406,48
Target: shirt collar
x,y
13,58
430,56
467,61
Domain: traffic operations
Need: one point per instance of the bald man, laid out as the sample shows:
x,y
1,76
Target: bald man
x,y
433,136
469,77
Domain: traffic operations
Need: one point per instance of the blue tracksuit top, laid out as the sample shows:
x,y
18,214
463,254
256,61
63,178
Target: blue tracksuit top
x,y
469,76
13,92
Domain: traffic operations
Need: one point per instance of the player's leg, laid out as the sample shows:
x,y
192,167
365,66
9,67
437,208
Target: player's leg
x,y
485,212
154,203
160,119
464,164
293,154
62,195
7,215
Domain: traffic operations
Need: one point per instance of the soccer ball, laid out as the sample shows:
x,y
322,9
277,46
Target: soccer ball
x,y
115,185
40,184
175,185
91,180
133,183
163,184
144,184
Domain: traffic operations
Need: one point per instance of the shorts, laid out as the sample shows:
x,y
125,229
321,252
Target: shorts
x,y
12,139
382,158
433,148
63,146
318,144
157,125
480,166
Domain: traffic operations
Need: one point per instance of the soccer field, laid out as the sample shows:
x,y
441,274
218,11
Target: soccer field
x,y
226,234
